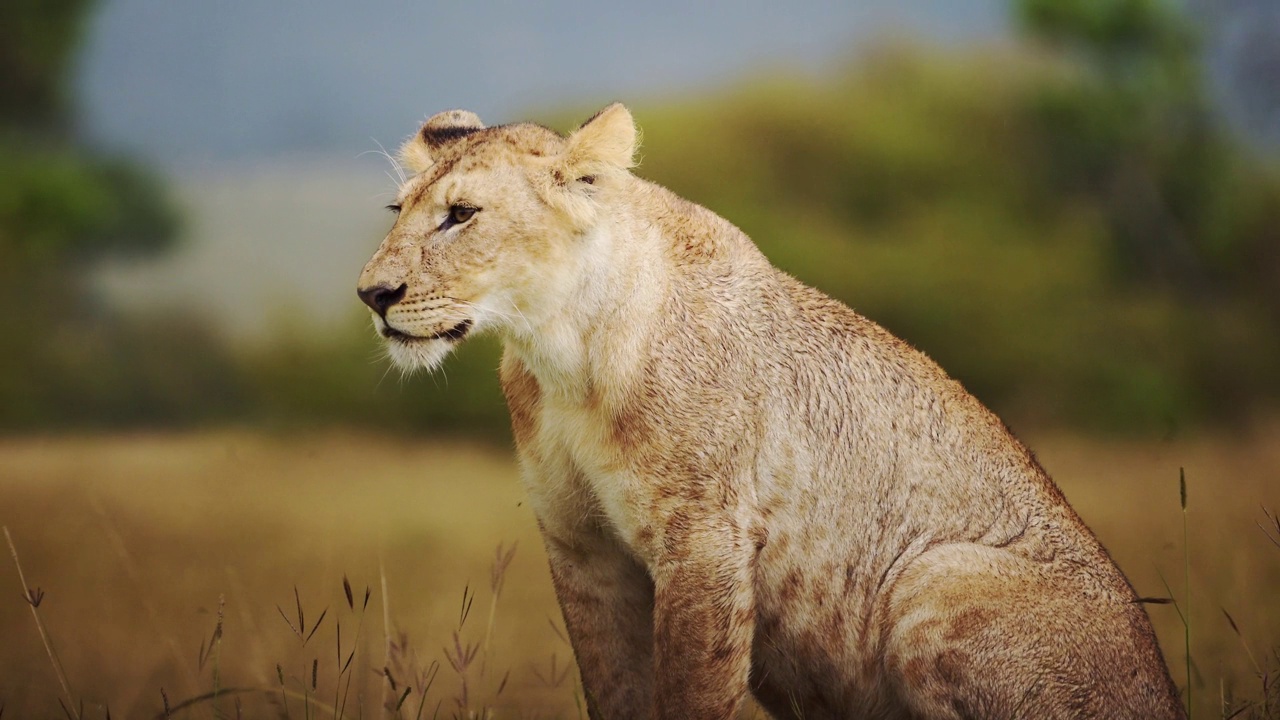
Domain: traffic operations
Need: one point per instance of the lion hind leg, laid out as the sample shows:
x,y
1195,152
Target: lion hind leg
x,y
979,632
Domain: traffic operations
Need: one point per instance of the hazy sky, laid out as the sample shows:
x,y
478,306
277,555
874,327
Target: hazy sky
x,y
189,80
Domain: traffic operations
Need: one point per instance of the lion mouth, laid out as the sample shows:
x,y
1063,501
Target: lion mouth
x,y
453,334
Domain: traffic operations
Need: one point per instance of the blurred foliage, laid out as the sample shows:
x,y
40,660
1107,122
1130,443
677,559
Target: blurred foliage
x,y
1063,225
1133,130
37,43
1073,252
305,378
59,207
68,360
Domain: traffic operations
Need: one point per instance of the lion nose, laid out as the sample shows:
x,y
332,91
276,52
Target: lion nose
x,y
381,297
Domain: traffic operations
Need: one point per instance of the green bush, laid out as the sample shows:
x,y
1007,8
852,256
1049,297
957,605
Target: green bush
x,y
942,195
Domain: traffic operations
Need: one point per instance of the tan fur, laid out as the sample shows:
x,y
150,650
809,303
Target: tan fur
x,y
742,484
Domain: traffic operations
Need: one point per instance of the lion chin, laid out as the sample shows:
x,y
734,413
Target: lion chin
x,y
418,354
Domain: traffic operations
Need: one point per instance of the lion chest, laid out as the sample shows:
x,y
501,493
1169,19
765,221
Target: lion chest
x,y
579,478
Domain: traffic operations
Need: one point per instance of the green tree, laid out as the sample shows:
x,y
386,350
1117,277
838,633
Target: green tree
x,y
59,203
1131,126
63,210
37,43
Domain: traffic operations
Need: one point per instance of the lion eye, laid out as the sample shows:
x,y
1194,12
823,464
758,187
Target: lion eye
x,y
459,214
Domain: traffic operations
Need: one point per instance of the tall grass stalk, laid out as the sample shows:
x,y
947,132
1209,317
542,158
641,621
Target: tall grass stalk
x,y
346,667
33,601
1183,608
213,652
386,628
497,578
1186,580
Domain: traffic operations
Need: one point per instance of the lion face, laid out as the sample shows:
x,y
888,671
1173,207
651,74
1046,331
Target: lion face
x,y
489,230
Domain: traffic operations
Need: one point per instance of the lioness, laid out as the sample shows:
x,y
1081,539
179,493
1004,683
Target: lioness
x,y
742,484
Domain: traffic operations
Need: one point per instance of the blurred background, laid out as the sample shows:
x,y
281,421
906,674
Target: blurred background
x,y
1073,205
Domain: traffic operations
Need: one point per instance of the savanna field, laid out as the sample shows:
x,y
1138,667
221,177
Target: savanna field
x,y
167,566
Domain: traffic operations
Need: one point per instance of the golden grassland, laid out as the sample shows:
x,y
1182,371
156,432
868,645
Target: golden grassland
x,y
143,545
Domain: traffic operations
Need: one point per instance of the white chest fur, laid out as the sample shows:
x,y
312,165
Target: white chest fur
x,y
578,479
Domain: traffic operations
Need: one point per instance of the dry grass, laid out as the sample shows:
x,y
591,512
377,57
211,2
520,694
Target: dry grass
x,y
171,562
133,540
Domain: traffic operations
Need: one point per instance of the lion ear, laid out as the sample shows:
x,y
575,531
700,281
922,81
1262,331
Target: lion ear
x,y
608,139
418,152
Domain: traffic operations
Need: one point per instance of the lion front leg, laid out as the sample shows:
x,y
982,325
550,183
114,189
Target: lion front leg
x,y
704,621
607,601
